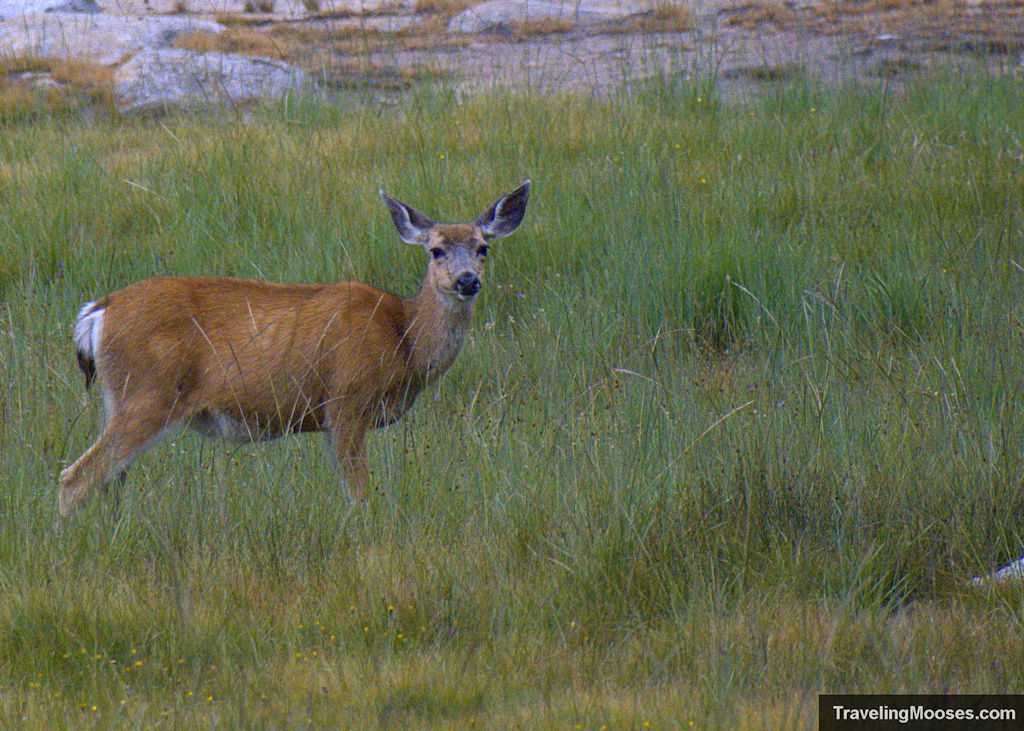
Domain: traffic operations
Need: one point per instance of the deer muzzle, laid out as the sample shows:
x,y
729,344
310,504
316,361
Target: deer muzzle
x,y
467,284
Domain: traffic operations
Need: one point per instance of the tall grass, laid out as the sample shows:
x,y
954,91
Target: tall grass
x,y
740,412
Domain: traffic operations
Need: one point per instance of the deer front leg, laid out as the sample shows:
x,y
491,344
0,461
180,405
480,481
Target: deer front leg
x,y
349,443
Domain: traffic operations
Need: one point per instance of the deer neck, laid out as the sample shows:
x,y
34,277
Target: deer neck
x,y
436,330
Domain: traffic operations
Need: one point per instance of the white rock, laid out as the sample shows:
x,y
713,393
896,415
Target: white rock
x,y
13,8
510,13
100,39
75,6
1012,572
154,81
281,9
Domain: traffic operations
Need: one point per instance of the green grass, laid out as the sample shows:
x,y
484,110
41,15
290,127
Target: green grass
x,y
740,412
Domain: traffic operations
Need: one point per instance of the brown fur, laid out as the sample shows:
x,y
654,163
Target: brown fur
x,y
256,360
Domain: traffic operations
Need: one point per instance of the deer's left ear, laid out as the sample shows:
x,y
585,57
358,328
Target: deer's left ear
x,y
413,226
504,217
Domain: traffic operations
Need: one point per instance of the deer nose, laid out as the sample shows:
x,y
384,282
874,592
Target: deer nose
x,y
467,284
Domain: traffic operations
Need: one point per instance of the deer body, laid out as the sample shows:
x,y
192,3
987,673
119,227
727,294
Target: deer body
x,y
252,360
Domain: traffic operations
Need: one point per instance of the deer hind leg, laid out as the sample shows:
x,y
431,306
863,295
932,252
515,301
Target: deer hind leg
x,y
123,439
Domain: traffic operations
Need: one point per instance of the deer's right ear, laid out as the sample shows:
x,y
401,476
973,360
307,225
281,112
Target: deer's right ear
x,y
413,226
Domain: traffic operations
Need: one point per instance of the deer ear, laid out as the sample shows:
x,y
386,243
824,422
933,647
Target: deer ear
x,y
413,227
504,217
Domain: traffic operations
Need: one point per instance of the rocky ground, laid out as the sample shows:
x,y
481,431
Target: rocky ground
x,y
148,56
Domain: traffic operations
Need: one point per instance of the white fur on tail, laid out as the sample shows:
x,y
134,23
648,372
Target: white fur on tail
x,y
88,330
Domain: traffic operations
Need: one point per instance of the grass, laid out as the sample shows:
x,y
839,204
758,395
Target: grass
x,y
346,53
740,413
70,87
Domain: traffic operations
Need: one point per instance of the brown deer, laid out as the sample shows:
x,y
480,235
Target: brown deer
x,y
253,360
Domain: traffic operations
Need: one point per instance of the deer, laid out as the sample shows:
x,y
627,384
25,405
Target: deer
x,y
251,360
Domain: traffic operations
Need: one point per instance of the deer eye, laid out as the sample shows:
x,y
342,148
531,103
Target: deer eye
x,y
437,253
482,251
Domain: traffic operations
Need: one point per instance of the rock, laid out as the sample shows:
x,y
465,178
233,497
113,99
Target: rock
x,y
9,8
12,8
1014,572
150,75
496,14
361,24
100,39
277,9
38,80
155,81
75,6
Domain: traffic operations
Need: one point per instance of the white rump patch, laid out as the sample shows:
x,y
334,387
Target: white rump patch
x,y
89,330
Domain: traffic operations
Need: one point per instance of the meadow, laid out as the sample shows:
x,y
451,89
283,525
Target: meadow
x,y
741,412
